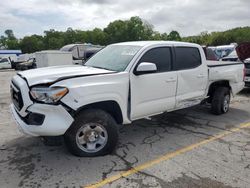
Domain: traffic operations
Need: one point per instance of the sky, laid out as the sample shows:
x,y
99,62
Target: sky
x,y
188,17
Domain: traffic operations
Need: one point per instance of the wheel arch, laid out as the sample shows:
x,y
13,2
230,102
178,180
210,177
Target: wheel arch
x,y
109,106
213,86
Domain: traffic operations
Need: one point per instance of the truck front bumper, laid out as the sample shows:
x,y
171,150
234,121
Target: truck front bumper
x,y
55,120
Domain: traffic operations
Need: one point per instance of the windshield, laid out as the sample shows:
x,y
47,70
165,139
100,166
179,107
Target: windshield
x,y
113,57
67,48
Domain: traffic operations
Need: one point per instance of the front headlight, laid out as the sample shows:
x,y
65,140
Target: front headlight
x,y
47,94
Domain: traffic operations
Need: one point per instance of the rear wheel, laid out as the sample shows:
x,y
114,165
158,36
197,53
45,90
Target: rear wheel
x,y
93,133
220,101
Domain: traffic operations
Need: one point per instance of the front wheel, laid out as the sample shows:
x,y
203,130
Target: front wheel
x,y
93,133
220,101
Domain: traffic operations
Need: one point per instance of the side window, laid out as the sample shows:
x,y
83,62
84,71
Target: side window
x,y
187,58
4,60
161,57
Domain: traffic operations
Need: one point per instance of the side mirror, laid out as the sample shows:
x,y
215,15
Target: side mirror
x,y
145,68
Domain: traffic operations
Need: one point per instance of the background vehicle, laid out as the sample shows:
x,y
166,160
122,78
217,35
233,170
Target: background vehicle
x,y
243,52
12,54
121,83
49,58
247,66
29,64
223,51
231,57
5,63
210,54
81,52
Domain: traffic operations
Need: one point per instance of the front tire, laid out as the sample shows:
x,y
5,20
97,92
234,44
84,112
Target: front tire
x,y
220,101
93,133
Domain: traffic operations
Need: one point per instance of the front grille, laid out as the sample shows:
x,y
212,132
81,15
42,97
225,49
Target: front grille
x,y
16,96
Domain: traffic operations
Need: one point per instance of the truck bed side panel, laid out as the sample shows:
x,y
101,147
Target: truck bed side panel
x,y
232,72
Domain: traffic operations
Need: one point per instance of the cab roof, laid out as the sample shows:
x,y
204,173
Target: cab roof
x,y
149,43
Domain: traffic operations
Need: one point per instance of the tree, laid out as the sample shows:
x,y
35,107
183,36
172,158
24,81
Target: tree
x,y
9,41
133,29
116,31
30,44
174,35
54,39
137,29
10,35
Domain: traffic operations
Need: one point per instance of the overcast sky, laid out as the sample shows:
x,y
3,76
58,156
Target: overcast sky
x,y
189,17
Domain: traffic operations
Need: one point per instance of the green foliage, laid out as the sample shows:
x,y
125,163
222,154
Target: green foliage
x,y
134,29
236,35
174,36
32,43
9,40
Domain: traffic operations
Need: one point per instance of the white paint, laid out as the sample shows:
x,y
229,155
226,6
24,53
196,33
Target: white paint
x,y
5,63
151,94
57,120
53,58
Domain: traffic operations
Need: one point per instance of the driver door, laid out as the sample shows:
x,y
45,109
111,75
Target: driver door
x,y
153,93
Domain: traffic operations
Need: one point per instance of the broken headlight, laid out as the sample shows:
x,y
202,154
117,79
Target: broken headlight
x,y
48,95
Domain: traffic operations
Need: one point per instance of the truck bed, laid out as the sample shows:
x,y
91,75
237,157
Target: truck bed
x,y
231,71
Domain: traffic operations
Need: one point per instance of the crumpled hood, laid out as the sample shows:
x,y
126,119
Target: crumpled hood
x,y
57,73
243,51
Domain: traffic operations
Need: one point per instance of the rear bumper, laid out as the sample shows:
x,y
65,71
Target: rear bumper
x,y
56,120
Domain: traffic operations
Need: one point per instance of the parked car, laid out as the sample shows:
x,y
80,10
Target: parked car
x,y
81,52
243,52
5,63
247,78
29,64
225,50
210,54
231,57
120,84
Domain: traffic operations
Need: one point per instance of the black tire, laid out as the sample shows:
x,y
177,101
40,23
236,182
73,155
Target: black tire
x,y
221,96
88,118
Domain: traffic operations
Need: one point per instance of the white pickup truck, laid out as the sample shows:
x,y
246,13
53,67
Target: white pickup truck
x,y
121,83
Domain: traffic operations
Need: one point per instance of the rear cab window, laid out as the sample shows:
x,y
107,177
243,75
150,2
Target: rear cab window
x,y
186,58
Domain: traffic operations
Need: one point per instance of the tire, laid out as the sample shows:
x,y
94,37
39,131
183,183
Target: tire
x,y
93,133
220,101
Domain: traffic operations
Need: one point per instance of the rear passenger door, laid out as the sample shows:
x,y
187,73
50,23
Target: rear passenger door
x,y
153,93
192,76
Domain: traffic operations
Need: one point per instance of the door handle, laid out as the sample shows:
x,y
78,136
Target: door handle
x,y
200,76
170,80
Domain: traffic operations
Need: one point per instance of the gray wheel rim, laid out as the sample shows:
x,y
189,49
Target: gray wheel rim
x,y
226,103
91,137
